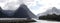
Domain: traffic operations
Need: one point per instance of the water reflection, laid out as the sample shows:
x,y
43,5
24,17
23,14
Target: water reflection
x,y
44,21
38,21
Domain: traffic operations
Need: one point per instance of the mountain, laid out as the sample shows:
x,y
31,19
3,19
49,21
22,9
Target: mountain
x,y
1,13
21,12
24,12
53,10
8,12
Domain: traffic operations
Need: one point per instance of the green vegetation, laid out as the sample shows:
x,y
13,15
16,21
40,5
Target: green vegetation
x,y
50,17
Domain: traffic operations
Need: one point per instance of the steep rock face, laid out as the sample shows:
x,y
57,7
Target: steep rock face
x,y
1,13
21,12
51,11
24,12
9,12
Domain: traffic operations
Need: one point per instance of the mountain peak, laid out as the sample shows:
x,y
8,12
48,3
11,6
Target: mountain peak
x,y
24,12
54,8
22,5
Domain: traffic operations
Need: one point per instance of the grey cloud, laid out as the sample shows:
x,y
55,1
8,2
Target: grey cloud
x,y
3,0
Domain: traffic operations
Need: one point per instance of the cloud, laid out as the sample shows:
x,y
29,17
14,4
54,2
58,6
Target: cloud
x,y
47,4
36,6
40,6
11,5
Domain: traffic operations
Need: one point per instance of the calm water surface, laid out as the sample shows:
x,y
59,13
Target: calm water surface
x,y
41,21
44,21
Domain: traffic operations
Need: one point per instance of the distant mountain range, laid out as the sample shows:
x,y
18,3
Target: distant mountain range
x,y
21,12
53,10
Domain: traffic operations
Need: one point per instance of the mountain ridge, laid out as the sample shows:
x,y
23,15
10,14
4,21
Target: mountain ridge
x,y
51,11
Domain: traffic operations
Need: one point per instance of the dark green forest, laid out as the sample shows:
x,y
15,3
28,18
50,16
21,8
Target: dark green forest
x,y
50,17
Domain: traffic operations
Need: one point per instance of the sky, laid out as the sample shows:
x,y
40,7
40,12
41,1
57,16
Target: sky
x,y
35,6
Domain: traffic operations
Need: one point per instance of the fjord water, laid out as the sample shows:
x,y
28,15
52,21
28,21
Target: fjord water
x,y
44,21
